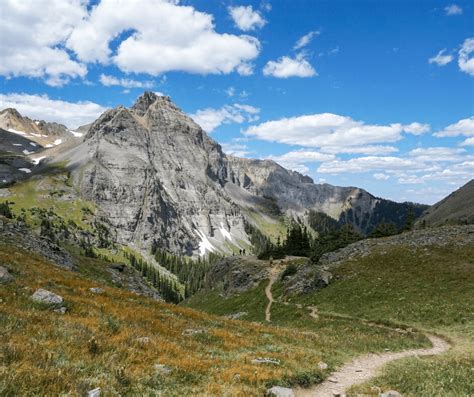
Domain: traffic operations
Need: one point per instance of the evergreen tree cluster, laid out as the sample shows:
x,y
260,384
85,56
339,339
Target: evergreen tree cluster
x,y
190,272
5,210
297,243
333,240
166,286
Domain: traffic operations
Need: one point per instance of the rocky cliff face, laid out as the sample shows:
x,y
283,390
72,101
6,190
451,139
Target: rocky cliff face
x,y
158,179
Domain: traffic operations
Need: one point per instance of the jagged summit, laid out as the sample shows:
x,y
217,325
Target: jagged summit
x,y
147,99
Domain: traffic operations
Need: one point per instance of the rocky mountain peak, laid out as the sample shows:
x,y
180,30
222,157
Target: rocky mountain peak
x,y
148,98
12,112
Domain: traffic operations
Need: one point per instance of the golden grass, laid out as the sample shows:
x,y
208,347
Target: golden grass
x,y
95,343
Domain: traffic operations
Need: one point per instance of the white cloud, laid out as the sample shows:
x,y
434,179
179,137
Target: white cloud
x,y
465,60
40,36
437,154
41,107
209,119
367,149
245,18
462,127
453,9
296,160
235,149
326,130
109,81
381,177
286,67
32,36
369,163
468,142
303,41
416,128
441,59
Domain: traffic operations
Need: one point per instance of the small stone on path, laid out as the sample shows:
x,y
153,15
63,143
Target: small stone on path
x,y
278,391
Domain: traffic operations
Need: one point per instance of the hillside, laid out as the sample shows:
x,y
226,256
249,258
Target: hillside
x,y
421,279
104,336
455,209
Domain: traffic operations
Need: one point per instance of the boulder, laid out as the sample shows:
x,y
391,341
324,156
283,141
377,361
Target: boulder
x,y
5,276
46,297
96,290
278,391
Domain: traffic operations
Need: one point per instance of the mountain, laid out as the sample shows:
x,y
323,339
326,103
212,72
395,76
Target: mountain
x,y
457,208
39,131
159,180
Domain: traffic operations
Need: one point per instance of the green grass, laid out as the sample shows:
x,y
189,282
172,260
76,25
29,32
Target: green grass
x,y
430,288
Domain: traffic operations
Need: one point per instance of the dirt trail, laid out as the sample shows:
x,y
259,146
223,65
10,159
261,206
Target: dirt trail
x,y
273,276
363,368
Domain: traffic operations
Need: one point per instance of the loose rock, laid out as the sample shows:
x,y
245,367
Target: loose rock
x,y
322,365
47,297
5,276
390,393
61,310
96,290
278,391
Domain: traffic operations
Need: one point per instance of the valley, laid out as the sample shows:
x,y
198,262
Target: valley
x,y
185,271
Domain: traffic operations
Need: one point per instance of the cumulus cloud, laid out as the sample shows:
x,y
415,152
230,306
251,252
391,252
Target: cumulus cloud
x,y
109,81
246,18
326,130
41,107
466,60
441,59
369,163
468,142
367,149
210,118
235,149
296,159
55,39
416,128
286,67
303,41
33,33
437,154
463,127
381,176
453,9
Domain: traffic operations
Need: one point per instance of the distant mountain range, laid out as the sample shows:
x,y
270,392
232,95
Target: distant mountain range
x,y
159,180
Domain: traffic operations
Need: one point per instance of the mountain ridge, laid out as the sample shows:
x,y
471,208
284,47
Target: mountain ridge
x,y
160,180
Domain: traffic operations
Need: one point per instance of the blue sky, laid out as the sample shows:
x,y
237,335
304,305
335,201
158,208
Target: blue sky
x,y
375,94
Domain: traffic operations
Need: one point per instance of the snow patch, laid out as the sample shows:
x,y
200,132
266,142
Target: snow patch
x,y
225,232
205,245
17,132
33,144
57,142
37,160
37,122
36,135
27,170
76,134
17,144
27,152
49,145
